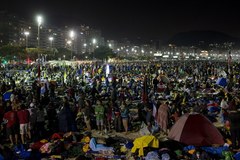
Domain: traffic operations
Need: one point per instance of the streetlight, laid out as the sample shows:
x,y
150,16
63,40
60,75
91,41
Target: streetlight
x,y
26,34
72,35
39,20
51,44
51,41
85,47
94,41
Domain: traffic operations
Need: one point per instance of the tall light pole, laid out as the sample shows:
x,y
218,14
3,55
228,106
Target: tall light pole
x,y
72,35
51,44
39,20
70,44
26,33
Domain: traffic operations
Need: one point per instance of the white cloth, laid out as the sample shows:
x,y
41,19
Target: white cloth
x,y
224,104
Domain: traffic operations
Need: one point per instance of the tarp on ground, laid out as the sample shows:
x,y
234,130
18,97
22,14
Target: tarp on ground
x,y
222,82
7,95
195,129
143,142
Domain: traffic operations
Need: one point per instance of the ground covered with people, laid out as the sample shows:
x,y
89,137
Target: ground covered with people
x,y
134,111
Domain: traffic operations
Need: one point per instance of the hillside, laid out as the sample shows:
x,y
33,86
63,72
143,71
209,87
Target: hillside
x,y
201,38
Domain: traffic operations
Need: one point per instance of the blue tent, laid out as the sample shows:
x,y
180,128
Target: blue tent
x,y
222,82
7,95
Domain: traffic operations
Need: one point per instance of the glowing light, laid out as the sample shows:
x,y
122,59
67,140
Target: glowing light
x,y
107,70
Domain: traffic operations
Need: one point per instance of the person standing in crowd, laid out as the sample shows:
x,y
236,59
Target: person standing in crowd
x,y
149,113
163,116
52,90
109,114
234,118
94,93
99,113
224,106
117,117
24,119
124,115
2,108
12,127
33,117
38,91
40,125
51,117
155,83
66,118
87,114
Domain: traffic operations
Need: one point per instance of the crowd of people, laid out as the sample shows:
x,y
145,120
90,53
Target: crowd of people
x,y
38,101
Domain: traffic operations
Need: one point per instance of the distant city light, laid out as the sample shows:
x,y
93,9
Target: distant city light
x,y
72,34
94,41
50,38
69,42
26,33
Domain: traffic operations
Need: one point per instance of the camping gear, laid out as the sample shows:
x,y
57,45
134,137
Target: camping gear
x,y
144,130
190,149
99,147
215,150
237,156
222,82
164,79
222,73
195,129
21,151
153,155
7,95
227,155
144,141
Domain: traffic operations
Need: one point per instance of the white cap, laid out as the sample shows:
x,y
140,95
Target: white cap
x,y
31,105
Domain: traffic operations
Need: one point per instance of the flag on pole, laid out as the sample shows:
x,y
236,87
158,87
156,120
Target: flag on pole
x,y
39,72
229,59
65,76
145,90
154,113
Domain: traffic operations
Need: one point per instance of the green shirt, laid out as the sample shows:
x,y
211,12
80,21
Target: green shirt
x,y
99,112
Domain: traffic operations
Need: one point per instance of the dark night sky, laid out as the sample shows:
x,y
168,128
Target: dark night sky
x,y
133,19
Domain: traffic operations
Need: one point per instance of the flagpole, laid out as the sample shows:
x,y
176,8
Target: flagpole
x,y
229,61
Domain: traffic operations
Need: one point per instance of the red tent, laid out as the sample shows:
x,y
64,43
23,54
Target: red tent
x,y
195,129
